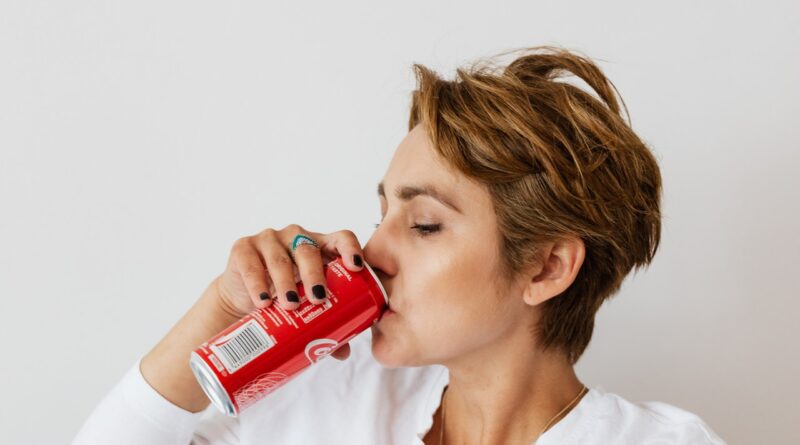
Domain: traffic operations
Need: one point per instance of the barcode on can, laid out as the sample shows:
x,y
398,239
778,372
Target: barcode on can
x,y
242,345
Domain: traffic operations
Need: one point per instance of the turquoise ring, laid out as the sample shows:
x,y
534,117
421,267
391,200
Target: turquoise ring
x,y
302,239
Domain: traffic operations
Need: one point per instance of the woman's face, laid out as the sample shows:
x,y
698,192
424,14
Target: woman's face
x,y
438,264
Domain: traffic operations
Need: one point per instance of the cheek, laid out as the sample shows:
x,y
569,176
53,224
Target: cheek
x,y
464,311
449,306
442,318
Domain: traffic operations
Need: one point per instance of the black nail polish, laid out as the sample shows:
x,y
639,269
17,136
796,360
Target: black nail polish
x,y
264,295
319,291
357,260
292,296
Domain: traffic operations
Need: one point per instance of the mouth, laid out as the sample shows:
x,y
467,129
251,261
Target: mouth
x,y
387,313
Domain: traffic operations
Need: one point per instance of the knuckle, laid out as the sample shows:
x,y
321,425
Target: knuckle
x,y
292,228
267,233
346,233
349,237
240,246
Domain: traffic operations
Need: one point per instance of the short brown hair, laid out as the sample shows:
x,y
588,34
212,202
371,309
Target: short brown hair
x,y
557,161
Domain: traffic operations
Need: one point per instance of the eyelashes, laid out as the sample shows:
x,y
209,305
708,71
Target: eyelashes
x,y
423,230
426,229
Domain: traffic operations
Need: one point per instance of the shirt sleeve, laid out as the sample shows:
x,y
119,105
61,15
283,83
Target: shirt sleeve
x,y
133,412
695,433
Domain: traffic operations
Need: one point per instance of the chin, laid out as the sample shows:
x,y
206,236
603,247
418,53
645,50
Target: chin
x,y
386,350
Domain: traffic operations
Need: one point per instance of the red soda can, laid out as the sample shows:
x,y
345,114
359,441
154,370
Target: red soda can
x,y
268,347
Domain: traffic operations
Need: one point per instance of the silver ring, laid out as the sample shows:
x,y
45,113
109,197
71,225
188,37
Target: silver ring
x,y
302,239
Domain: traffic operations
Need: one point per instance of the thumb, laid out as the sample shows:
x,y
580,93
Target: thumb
x,y
342,353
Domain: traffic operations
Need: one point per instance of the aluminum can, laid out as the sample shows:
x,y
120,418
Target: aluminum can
x,y
268,347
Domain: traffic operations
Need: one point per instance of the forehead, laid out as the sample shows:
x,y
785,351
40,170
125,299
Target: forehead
x,y
415,161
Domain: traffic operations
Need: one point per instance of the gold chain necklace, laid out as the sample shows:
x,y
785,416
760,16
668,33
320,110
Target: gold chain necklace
x,y
583,390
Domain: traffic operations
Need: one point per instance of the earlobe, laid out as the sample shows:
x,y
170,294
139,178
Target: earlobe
x,y
562,261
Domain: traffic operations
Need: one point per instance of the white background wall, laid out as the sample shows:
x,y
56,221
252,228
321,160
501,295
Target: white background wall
x,y
138,140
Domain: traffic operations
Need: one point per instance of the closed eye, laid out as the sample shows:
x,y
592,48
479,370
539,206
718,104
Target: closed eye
x,y
426,229
423,230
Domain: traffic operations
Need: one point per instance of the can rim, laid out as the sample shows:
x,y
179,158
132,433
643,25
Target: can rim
x,y
211,385
380,285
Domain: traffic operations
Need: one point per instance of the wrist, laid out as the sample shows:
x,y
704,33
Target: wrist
x,y
166,366
221,303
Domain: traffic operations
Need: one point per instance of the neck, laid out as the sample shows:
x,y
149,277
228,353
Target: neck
x,y
511,400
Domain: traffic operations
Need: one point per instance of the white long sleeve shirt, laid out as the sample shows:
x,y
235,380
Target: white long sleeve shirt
x,y
358,401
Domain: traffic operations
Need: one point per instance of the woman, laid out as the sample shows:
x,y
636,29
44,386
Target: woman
x,y
514,207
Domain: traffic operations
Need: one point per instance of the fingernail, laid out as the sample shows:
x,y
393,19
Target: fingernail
x,y
319,291
357,260
292,296
264,295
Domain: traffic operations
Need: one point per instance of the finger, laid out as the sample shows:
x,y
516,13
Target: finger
x,y
281,271
309,263
342,353
345,243
251,268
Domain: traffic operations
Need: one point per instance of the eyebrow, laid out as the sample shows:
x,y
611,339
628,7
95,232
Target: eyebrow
x,y
409,192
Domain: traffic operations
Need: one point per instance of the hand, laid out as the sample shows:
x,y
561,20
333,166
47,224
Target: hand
x,y
261,269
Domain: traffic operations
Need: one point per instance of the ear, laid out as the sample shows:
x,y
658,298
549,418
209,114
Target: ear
x,y
561,261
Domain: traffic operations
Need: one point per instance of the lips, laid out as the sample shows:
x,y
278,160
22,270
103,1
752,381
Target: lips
x,y
389,309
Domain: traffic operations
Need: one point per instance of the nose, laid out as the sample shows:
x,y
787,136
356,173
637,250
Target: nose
x,y
381,258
